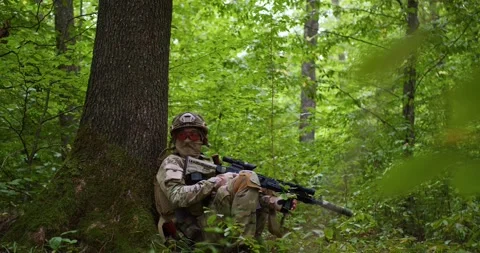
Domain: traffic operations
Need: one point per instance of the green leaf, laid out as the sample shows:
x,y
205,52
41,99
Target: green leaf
x,y
328,233
211,220
215,230
69,232
15,182
69,241
55,243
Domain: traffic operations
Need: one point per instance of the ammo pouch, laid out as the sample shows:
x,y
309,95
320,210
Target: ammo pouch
x,y
189,225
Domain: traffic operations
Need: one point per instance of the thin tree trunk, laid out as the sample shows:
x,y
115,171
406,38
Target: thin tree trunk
x,y
414,225
410,79
64,24
104,191
346,173
336,3
309,87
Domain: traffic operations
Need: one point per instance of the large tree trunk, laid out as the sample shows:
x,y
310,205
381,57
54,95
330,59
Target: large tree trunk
x,y
104,190
309,87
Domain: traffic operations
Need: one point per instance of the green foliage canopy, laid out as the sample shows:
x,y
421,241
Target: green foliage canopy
x,y
238,63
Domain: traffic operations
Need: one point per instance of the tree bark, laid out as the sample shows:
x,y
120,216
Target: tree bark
x,y
309,87
336,3
413,226
410,79
64,24
104,190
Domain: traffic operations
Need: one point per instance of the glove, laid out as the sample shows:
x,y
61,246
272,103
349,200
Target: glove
x,y
282,205
222,179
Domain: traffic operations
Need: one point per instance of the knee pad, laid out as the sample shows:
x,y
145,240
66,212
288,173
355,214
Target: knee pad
x,y
246,179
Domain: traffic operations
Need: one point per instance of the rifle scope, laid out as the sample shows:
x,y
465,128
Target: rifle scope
x,y
238,163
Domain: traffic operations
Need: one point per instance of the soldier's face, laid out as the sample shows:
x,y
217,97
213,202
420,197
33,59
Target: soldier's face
x,y
188,142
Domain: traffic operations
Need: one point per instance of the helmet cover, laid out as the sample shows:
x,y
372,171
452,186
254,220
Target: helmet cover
x,y
188,119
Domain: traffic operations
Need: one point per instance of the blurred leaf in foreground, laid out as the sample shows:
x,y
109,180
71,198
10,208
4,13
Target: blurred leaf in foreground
x,y
466,178
465,101
384,62
405,176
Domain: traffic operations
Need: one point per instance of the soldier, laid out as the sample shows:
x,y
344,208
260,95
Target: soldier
x,y
181,204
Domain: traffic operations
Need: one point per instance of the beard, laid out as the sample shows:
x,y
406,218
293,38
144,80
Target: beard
x,y
192,149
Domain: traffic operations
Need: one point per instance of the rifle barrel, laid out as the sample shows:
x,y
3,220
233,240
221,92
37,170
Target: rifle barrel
x,y
333,207
303,194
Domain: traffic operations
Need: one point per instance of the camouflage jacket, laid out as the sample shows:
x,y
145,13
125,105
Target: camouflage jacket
x,y
171,178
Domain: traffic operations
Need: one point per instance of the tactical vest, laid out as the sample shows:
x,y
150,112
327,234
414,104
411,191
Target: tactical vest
x,y
185,218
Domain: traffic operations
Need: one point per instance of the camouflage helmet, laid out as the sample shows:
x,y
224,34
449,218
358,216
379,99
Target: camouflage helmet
x,y
189,119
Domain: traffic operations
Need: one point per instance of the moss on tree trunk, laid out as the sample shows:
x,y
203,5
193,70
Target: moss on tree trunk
x,y
100,192
104,190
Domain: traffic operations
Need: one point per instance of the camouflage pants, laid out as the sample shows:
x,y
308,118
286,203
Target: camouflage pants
x,y
238,199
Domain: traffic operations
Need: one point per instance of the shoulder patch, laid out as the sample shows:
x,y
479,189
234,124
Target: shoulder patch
x,y
174,159
173,166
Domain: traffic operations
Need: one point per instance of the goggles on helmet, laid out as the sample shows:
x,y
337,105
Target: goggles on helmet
x,y
192,135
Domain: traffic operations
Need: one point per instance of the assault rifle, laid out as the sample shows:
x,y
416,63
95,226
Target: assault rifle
x,y
303,194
